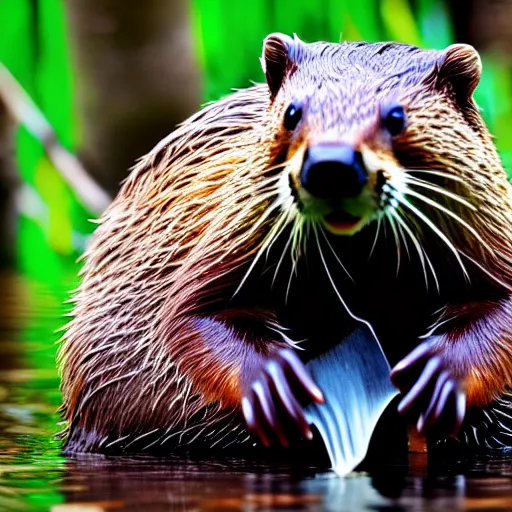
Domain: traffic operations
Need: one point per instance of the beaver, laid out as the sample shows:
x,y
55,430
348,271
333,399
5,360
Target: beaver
x,y
359,183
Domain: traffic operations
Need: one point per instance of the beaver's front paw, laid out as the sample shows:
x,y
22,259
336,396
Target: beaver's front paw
x,y
433,393
272,405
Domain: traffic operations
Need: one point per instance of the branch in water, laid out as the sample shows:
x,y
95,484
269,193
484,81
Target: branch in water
x,y
21,107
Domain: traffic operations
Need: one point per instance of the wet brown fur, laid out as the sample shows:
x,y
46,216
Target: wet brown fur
x,y
157,349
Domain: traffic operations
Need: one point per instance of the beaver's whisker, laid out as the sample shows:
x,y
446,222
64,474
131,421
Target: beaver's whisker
x,y
441,174
301,243
403,201
397,240
292,268
419,247
294,251
322,230
395,213
307,236
281,259
297,236
472,230
451,214
319,245
290,278
286,218
275,231
377,231
331,280
280,225
404,239
410,180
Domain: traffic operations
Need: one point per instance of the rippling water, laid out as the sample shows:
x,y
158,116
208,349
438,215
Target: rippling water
x,y
34,476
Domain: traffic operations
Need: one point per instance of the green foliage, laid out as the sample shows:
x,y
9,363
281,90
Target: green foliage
x,y
494,96
229,34
34,47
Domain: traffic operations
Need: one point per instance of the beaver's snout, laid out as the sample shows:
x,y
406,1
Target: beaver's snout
x,y
333,171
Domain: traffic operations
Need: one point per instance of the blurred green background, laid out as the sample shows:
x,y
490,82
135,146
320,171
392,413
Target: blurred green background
x,y
115,76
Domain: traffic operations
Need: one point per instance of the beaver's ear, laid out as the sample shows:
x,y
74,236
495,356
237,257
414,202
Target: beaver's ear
x,y
460,68
278,59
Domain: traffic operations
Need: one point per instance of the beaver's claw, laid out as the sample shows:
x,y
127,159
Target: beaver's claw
x,y
272,408
433,394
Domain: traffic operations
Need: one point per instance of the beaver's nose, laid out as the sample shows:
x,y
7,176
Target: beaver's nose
x,y
332,171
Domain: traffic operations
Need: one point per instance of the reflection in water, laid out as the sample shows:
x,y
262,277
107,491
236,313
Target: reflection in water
x,y
33,475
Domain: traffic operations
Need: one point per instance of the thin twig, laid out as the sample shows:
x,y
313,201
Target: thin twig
x,y
24,111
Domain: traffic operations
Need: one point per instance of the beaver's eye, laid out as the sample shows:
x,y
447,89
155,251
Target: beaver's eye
x,y
394,120
292,116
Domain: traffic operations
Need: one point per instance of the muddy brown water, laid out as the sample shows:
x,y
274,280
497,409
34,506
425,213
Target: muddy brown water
x,y
35,476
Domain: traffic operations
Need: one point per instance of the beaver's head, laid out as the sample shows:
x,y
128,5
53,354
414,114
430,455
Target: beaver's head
x,y
376,131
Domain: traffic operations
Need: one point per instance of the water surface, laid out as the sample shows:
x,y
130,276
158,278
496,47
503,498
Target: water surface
x,y
34,476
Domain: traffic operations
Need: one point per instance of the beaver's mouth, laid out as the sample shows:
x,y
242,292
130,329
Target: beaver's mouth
x,y
341,222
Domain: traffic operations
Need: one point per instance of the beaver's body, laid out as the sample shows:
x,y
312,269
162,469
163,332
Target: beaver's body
x,y
225,244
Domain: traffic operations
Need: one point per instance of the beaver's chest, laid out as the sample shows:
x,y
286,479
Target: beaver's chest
x,y
318,297
322,310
